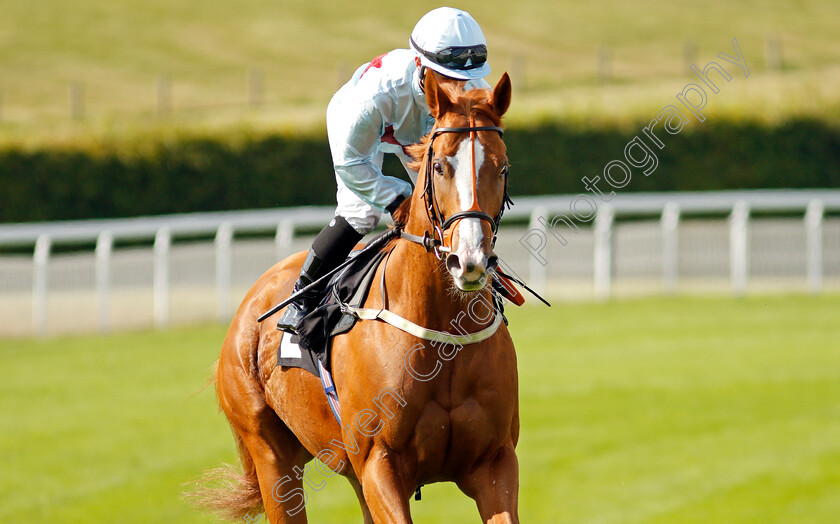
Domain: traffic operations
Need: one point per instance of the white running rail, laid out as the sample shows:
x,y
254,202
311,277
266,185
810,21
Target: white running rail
x,y
540,244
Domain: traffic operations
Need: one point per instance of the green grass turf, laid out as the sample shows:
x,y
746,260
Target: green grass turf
x,y
117,49
654,410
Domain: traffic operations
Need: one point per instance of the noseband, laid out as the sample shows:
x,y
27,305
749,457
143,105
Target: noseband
x,y
441,236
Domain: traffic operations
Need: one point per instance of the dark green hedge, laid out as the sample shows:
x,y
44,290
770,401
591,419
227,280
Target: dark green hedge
x,y
711,156
217,174
188,175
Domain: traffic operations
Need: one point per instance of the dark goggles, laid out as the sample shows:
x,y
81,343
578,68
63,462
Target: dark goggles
x,y
456,57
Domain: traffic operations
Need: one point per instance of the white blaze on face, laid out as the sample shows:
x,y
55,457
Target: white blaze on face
x,y
469,229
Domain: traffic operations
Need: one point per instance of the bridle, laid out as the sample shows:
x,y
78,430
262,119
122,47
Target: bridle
x,y
440,239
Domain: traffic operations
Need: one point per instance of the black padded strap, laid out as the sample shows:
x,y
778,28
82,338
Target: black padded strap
x,y
481,215
440,130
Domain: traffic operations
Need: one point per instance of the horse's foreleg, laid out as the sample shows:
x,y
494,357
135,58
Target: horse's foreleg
x,y
357,487
494,486
385,491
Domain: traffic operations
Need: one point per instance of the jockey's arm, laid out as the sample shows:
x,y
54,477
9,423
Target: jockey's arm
x,y
355,133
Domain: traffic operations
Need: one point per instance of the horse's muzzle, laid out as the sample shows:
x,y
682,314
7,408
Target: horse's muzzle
x,y
471,269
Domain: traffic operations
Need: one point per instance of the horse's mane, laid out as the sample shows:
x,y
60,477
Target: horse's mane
x,y
472,102
402,213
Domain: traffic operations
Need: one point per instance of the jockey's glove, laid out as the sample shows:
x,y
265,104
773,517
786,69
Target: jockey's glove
x,y
395,204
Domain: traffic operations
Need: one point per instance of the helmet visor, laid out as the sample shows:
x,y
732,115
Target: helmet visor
x,y
457,57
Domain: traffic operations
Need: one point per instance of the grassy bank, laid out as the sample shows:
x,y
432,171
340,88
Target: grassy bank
x,y
116,52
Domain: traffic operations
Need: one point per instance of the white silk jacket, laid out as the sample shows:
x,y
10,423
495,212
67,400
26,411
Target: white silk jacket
x,y
380,110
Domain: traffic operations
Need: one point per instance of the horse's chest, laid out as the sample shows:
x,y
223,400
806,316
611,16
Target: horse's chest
x,y
450,438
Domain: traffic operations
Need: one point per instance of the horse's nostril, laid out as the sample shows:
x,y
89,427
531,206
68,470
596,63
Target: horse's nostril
x,y
453,263
492,262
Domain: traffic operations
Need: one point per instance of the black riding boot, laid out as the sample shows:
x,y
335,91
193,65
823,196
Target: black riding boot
x,y
329,249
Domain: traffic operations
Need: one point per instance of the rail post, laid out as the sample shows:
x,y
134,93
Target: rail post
x,y
76,93
603,251
670,247
163,95
283,238
813,227
223,241
738,247
163,242
43,245
104,248
536,267
255,87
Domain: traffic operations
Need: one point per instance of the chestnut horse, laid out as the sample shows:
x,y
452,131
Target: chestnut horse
x,y
413,412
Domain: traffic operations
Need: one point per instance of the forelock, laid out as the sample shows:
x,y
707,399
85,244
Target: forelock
x,y
472,102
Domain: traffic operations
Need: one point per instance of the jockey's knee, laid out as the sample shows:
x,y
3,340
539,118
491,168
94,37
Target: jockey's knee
x,y
362,225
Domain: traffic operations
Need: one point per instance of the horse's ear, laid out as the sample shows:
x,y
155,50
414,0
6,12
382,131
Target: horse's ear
x,y
501,95
436,96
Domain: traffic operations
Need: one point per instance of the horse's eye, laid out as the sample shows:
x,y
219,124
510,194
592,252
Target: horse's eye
x,y
437,167
504,171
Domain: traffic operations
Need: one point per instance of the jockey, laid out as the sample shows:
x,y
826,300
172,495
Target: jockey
x,y
380,110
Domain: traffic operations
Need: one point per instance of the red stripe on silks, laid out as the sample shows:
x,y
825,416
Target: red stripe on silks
x,y
388,137
376,62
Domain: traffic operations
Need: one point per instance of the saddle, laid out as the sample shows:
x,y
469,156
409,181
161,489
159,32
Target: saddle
x,y
331,317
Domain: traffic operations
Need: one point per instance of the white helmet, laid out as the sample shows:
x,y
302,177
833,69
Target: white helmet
x,y
451,42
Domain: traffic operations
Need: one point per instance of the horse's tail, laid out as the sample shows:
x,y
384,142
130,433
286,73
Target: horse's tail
x,y
227,492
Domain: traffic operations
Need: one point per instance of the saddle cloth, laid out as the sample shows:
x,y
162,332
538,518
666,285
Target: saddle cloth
x,y
350,286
